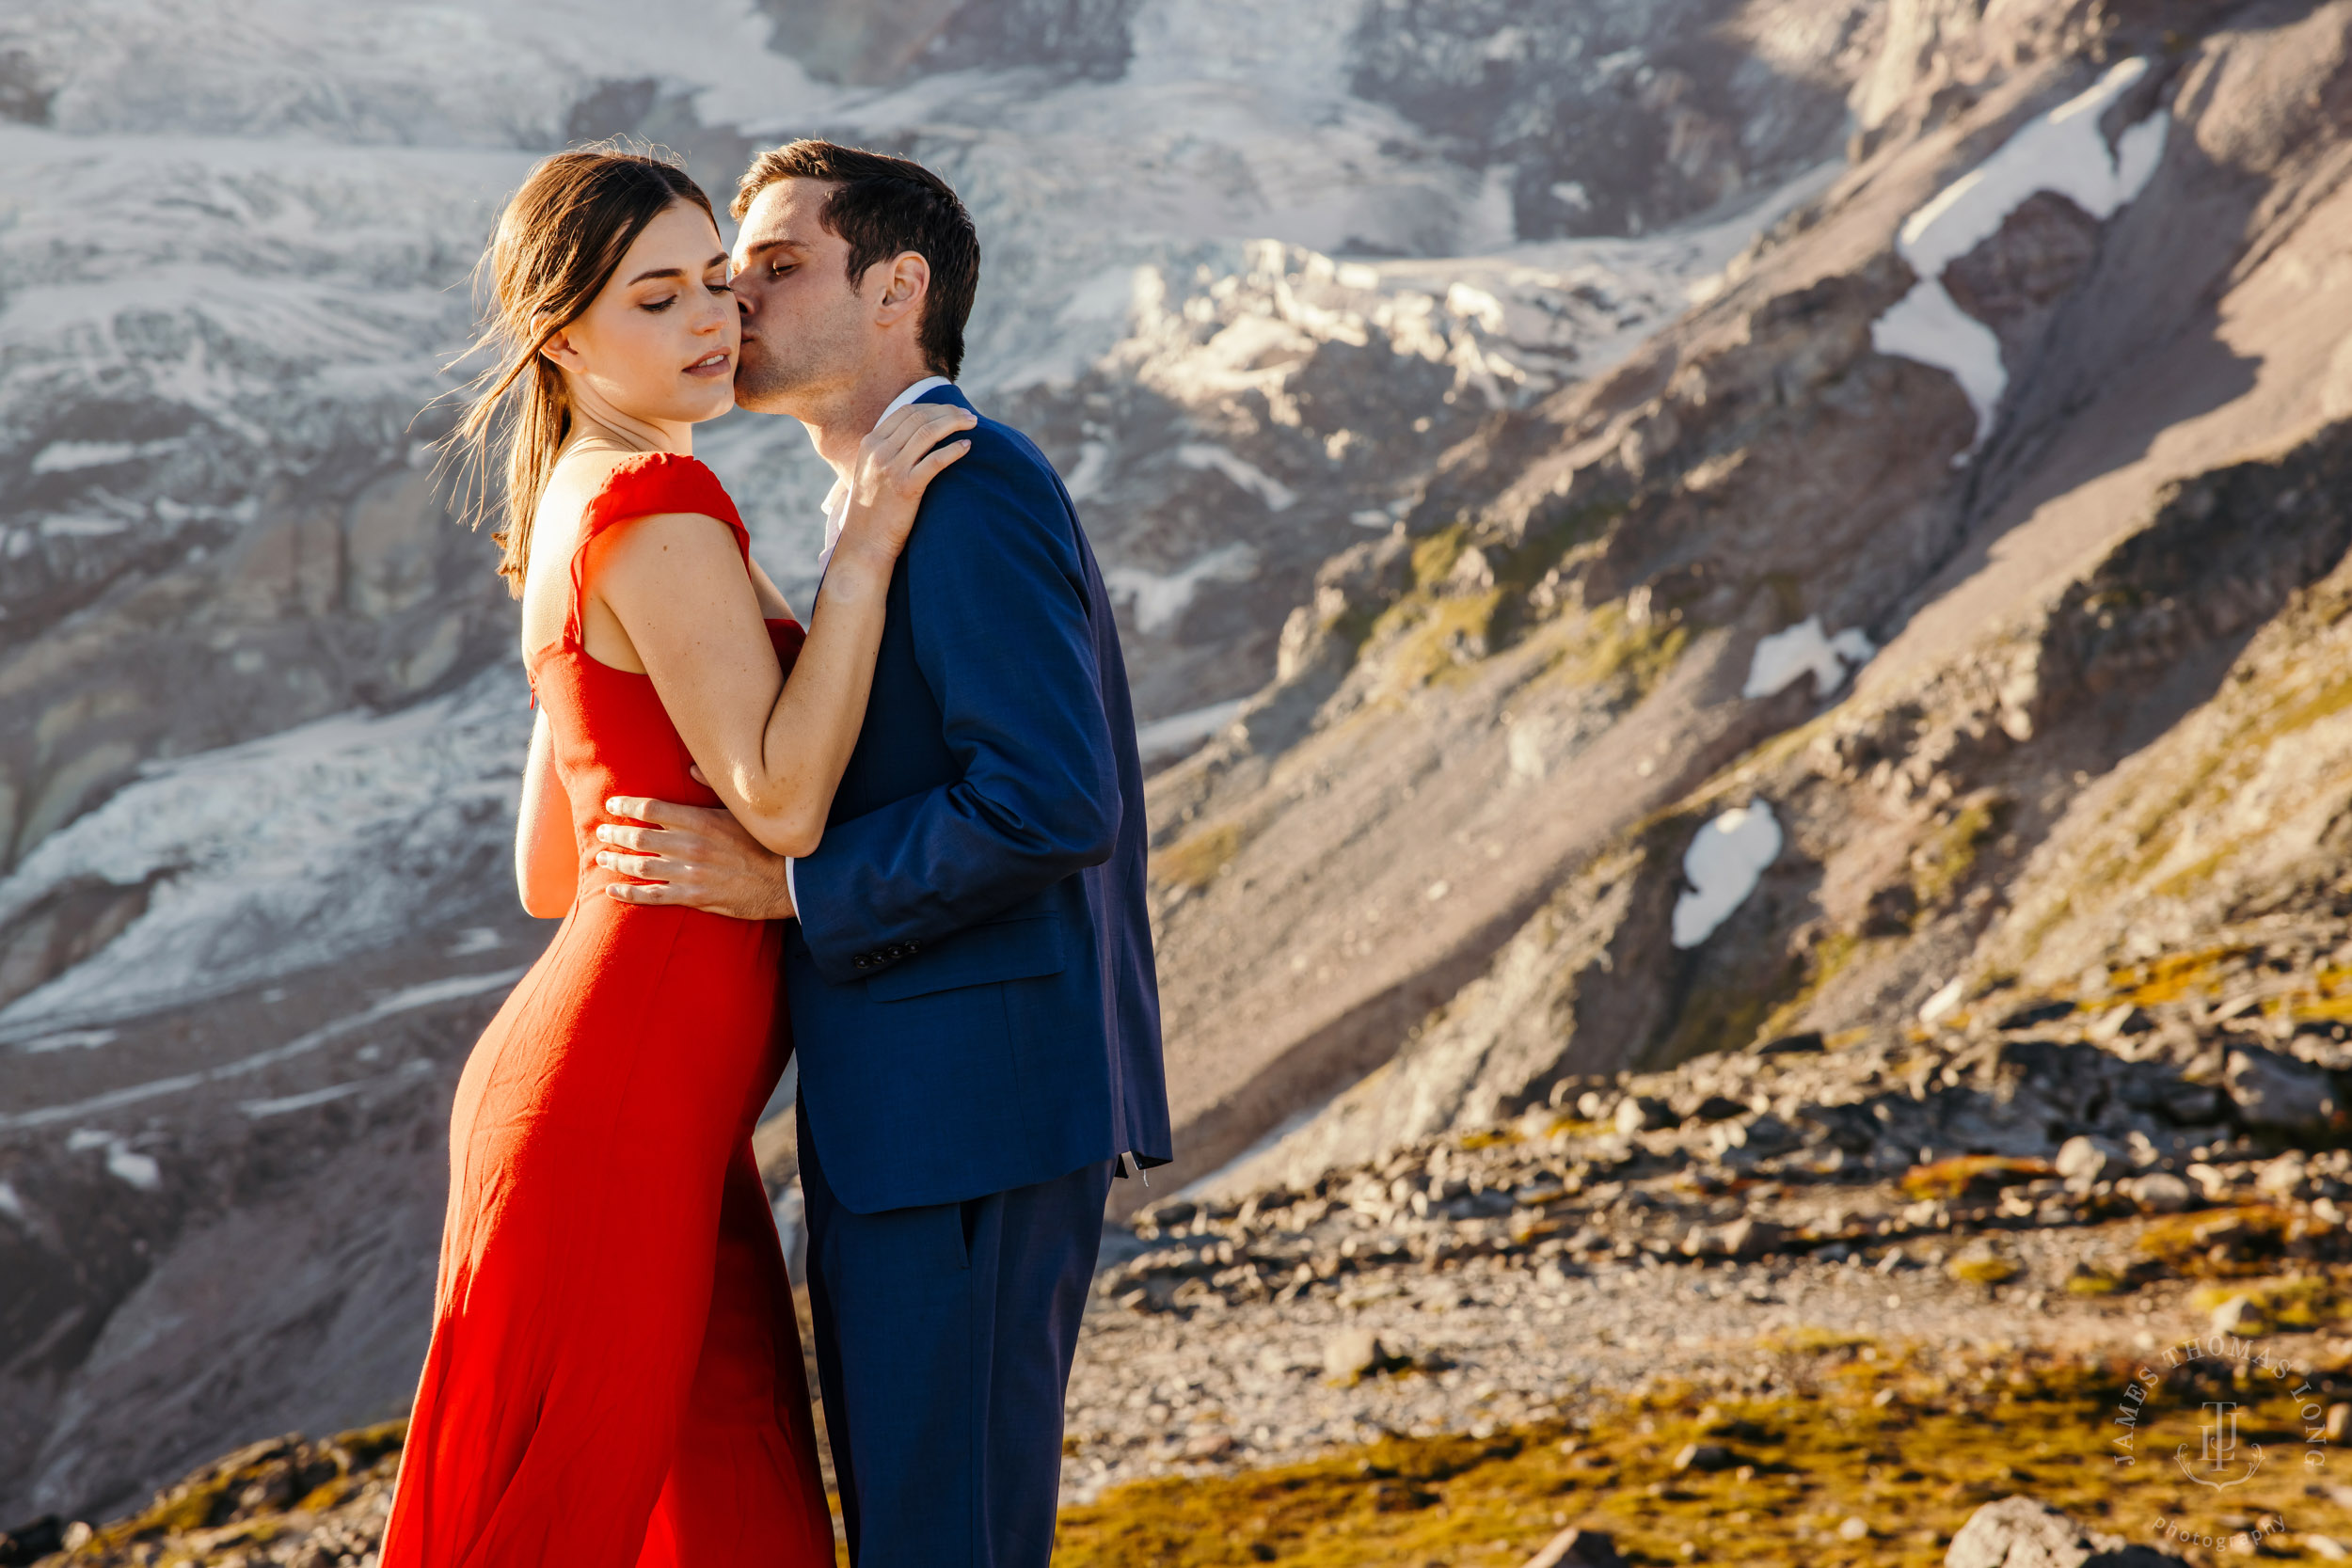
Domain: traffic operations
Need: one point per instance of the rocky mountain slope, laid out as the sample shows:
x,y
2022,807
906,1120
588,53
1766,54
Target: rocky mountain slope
x,y
1757,1303
1248,281
1764,520
1864,642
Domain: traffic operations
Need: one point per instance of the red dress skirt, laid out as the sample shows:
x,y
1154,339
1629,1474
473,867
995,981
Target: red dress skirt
x,y
615,1373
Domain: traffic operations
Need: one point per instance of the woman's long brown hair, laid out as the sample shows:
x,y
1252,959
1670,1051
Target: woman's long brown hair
x,y
558,244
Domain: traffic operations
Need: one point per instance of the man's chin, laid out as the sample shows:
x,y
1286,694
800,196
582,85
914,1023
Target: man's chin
x,y
761,396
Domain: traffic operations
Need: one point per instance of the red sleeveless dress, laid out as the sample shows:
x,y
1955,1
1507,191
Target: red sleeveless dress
x,y
615,1376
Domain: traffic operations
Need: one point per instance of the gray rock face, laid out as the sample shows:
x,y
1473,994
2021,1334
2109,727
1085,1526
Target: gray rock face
x,y
2019,1532
871,44
1613,117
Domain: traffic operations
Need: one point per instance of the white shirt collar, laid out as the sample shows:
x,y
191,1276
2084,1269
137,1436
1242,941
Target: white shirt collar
x,y
835,501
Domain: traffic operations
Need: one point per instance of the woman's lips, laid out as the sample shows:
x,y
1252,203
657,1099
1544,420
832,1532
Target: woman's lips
x,y
711,367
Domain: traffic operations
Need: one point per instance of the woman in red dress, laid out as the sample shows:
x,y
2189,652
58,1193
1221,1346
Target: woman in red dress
x,y
615,1373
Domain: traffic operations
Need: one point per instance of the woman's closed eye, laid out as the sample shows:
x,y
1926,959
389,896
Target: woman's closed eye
x,y
656,306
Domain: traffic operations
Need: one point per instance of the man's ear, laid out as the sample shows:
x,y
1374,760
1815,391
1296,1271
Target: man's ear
x,y
904,289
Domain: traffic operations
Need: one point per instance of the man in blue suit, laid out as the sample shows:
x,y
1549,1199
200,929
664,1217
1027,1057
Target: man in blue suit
x,y
971,981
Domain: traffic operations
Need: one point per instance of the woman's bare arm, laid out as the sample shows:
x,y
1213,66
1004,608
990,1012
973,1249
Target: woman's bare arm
x,y
547,861
774,606
773,749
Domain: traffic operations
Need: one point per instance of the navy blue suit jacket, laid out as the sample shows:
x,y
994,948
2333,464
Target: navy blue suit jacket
x,y
973,995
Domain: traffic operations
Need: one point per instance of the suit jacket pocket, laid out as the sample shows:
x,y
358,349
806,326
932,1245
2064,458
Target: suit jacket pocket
x,y
977,956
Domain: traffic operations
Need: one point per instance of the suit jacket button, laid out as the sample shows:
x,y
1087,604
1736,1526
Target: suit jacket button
x,y
862,961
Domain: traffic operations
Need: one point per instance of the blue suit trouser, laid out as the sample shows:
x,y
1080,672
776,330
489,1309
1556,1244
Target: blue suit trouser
x,y
944,1336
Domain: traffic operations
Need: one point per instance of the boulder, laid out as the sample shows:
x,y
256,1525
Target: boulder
x,y
2019,1532
2278,1093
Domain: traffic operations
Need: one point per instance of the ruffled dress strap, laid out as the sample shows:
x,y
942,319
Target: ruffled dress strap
x,y
648,484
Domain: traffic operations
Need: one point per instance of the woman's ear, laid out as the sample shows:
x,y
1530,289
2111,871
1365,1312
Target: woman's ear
x,y
560,349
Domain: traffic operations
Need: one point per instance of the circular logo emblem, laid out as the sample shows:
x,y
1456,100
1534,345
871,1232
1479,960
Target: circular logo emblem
x,y
2222,1433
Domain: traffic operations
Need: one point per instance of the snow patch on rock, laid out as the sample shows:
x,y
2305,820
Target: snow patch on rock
x,y
1784,657
122,1161
1159,597
1723,866
1181,732
2063,151
1278,496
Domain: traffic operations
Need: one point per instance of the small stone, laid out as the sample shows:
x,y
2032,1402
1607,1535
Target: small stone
x,y
2241,1317
1576,1547
2082,1160
1856,1529
1751,1238
1706,1458
2288,1176
1209,1445
1641,1113
2339,1422
1353,1355
77,1535
2326,1548
2127,1019
2158,1193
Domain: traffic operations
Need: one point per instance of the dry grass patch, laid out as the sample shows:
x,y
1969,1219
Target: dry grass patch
x,y
1909,1449
1972,1176
1195,859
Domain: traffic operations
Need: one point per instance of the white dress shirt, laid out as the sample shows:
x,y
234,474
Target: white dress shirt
x,y
836,514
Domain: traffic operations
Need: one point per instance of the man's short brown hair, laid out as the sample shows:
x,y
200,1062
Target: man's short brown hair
x,y
886,207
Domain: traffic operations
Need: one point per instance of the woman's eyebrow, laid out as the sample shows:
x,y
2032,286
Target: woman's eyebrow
x,y
718,261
